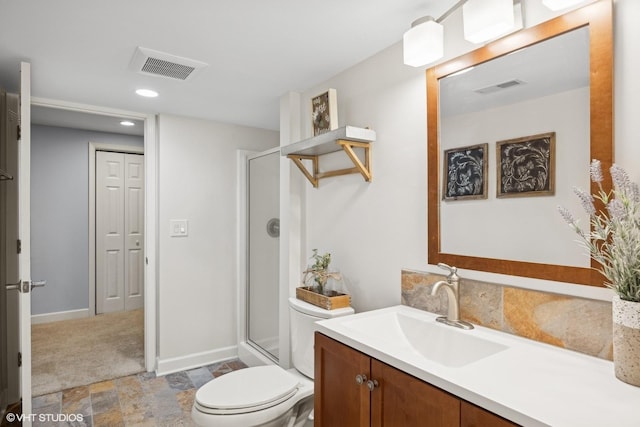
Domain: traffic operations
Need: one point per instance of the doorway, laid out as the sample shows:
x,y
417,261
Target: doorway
x,y
84,291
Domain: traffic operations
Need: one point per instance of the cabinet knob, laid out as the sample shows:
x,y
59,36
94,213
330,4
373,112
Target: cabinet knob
x,y
372,384
361,379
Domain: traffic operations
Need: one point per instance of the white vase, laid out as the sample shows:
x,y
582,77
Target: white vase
x,y
626,340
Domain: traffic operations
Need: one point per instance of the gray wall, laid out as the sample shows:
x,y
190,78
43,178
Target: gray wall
x,y
60,214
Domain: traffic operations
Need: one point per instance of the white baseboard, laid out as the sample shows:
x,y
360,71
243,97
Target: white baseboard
x,y
60,315
191,361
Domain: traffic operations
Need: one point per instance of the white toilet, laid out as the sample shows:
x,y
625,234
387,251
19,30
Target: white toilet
x,y
268,396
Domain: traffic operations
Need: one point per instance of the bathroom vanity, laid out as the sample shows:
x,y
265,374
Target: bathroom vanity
x,y
398,366
380,395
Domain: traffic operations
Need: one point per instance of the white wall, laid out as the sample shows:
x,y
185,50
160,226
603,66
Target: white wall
x,y
60,214
374,230
197,286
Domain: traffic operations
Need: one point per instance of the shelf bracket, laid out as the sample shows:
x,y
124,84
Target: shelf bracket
x,y
347,146
346,138
364,169
312,177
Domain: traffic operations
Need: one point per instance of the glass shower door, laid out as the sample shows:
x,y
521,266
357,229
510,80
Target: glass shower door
x,y
263,252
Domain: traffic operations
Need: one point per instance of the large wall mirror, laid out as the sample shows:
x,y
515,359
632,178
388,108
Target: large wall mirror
x,y
542,93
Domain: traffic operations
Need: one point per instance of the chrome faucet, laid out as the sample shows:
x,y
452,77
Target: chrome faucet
x,y
451,286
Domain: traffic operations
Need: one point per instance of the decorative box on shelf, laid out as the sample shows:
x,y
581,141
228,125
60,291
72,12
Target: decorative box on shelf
x,y
328,302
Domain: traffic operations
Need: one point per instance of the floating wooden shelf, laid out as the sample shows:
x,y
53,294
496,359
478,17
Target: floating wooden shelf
x,y
346,139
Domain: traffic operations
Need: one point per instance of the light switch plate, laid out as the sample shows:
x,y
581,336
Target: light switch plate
x,y
178,228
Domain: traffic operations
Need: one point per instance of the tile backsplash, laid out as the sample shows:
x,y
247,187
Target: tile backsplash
x,y
573,323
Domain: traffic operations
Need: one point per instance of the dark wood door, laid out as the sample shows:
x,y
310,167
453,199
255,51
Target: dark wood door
x,y
339,399
403,400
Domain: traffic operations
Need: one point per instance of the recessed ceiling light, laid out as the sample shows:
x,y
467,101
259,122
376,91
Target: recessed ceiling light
x,y
127,123
147,93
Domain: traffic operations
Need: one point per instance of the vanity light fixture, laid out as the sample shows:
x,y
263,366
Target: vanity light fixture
x,y
487,19
483,20
423,42
147,93
560,4
127,123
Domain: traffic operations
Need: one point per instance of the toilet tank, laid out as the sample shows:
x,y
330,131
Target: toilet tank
x,y
303,317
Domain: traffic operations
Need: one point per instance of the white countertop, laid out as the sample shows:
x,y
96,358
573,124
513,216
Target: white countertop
x,y
529,383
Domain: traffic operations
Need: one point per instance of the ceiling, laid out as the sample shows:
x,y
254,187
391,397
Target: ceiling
x,y
47,116
256,50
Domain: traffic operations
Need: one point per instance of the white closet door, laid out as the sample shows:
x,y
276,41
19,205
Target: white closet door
x,y
134,230
110,265
119,231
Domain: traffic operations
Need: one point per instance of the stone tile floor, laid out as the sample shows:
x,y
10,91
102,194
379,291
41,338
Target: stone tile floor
x,y
137,400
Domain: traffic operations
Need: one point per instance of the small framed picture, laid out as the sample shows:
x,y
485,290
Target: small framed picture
x,y
526,166
465,173
324,112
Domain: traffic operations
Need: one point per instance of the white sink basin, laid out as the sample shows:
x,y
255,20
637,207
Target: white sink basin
x,y
434,341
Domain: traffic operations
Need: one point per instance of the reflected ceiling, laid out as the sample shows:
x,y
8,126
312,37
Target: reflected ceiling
x,y
535,75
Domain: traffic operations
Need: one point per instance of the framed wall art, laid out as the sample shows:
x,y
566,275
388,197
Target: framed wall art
x,y
526,166
465,173
324,112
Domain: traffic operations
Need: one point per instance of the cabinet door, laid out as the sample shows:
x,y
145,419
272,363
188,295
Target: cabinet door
x,y
403,400
474,416
339,399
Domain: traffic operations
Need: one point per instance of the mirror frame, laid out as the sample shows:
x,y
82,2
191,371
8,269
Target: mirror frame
x,y
598,16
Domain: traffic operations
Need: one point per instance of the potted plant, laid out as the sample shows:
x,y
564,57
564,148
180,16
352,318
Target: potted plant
x,y
613,241
316,280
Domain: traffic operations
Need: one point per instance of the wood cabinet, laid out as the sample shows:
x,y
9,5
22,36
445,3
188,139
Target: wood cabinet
x,y
403,400
339,400
354,389
474,416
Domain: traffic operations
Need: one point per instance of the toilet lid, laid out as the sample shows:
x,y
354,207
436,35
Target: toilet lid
x,y
247,390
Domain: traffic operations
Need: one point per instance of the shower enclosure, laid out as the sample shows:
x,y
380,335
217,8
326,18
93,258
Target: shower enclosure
x,y
263,242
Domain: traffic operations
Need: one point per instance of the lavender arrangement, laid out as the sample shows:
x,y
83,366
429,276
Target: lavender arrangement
x,y
613,239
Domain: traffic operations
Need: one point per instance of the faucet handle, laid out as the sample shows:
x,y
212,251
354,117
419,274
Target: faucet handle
x,y
453,271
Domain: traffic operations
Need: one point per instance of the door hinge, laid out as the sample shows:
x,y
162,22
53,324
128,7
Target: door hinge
x,y
19,359
19,131
19,246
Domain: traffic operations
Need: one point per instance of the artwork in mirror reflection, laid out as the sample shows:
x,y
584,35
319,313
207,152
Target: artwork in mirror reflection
x,y
526,166
529,92
465,173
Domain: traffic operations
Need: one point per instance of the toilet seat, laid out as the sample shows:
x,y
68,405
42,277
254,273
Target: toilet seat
x,y
246,390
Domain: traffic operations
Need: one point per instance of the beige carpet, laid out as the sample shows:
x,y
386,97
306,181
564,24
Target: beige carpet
x,y
72,353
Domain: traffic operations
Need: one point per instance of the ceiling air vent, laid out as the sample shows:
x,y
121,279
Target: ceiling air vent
x,y
155,63
499,86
